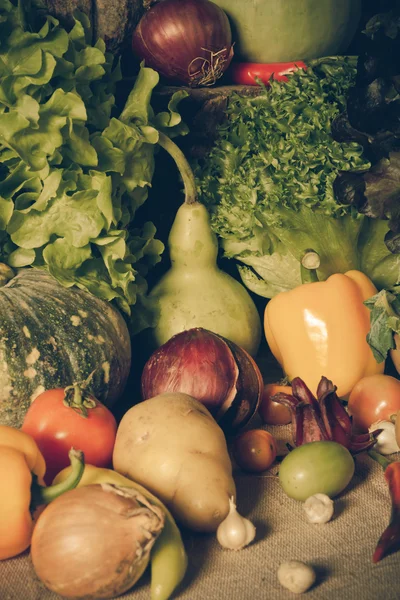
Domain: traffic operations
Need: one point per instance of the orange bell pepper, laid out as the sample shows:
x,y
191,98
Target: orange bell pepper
x,y
22,468
320,328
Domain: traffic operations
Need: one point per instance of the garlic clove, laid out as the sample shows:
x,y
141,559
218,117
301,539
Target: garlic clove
x,y
296,576
319,508
386,441
235,532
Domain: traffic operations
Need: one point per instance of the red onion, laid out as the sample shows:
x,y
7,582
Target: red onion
x,y
189,41
213,370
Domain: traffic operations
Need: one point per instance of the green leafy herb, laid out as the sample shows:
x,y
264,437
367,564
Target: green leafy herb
x,y
385,322
72,175
268,183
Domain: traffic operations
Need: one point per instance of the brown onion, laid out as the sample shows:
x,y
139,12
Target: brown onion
x,y
189,41
217,372
95,541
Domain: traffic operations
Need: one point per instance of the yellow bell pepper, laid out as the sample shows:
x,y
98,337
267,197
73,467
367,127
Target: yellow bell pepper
x,y
168,556
320,328
22,468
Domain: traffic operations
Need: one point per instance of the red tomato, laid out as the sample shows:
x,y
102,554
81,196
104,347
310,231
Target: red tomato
x,y
374,398
254,450
243,73
57,428
272,412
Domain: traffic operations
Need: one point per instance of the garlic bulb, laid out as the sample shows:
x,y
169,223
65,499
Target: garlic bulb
x,y
386,441
235,532
319,508
296,576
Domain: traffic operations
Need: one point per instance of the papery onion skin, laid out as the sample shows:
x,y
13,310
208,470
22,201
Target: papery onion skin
x,y
91,542
188,41
216,371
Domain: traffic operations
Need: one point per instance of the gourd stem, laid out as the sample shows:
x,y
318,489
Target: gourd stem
x,y
309,265
183,166
43,495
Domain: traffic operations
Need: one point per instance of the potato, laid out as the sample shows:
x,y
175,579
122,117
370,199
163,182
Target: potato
x,y
173,446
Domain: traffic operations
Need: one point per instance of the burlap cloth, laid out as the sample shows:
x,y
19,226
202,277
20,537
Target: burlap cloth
x,y
340,551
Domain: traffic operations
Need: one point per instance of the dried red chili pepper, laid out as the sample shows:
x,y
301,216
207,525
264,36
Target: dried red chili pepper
x,y
323,417
389,542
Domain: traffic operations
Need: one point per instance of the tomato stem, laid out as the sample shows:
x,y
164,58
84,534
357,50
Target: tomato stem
x,y
43,495
77,398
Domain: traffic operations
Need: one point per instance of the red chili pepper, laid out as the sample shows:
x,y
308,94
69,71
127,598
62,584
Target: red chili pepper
x,y
244,73
389,542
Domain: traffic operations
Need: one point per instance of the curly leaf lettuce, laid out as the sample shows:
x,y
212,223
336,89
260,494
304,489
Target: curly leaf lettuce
x,y
268,183
72,174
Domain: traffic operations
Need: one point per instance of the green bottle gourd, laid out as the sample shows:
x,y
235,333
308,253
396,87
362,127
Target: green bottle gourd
x,y
195,292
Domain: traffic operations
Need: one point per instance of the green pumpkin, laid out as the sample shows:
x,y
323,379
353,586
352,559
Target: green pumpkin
x,y
52,336
266,31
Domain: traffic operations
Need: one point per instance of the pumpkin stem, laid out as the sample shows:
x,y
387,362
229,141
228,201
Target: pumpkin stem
x,y
43,495
79,399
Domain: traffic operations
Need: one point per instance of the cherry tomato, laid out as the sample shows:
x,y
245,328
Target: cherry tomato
x,y
244,73
254,450
374,398
56,428
272,412
316,468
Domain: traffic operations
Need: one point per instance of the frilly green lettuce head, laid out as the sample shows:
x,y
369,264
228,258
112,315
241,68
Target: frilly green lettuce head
x,y
268,183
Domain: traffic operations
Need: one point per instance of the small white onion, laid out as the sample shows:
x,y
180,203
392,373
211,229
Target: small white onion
x,y
319,508
386,441
296,576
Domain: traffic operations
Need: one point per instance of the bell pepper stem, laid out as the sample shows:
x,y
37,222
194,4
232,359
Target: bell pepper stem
x,y
308,267
43,495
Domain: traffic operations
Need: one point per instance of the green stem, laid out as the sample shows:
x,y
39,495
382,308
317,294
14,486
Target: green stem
x,y
183,166
43,495
379,458
309,265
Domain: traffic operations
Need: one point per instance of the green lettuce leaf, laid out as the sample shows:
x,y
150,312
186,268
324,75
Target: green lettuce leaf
x,y
72,174
385,322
